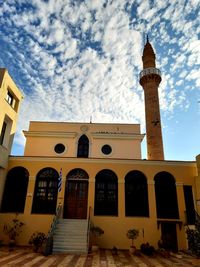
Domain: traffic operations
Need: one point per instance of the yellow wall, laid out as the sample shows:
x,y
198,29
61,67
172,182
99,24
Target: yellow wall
x,y
115,227
125,139
197,187
9,114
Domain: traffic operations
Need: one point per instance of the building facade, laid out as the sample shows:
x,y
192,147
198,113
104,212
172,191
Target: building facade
x,y
104,178
10,99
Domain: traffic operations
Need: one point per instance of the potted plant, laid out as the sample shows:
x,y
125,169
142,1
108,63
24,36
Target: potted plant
x,y
147,249
13,230
36,240
132,234
96,231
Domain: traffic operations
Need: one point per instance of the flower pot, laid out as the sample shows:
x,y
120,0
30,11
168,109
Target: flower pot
x,y
11,244
132,249
95,248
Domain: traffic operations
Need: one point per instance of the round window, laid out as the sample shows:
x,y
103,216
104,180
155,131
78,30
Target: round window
x,y
106,149
59,148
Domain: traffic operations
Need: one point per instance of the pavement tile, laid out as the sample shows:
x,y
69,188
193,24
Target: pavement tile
x,y
21,257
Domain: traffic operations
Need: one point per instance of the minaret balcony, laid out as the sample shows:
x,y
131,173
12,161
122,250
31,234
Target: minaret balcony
x,y
148,71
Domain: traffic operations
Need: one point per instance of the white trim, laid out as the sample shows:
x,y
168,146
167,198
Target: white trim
x,y
129,136
179,184
50,134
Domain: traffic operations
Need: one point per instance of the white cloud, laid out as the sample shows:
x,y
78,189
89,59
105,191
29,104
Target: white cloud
x,y
78,59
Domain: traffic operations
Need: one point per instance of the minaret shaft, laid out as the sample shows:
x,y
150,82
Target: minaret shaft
x,y
150,79
153,122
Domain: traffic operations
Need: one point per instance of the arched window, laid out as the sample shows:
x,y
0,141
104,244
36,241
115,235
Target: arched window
x,y
46,190
136,194
106,193
83,147
166,196
15,190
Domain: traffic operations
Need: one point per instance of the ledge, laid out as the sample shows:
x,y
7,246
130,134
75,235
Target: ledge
x,y
172,221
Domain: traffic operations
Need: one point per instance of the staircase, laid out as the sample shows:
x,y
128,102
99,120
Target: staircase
x,y
70,236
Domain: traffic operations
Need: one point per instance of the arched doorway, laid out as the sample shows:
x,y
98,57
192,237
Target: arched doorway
x,y
166,196
76,195
15,190
167,208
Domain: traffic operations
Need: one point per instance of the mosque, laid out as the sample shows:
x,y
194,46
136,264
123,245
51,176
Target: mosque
x,y
78,173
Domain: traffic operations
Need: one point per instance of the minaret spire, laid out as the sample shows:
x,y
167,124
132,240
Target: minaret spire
x,y
150,79
147,38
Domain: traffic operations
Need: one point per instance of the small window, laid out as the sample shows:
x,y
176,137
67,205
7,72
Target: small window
x,y
106,149
3,131
59,148
10,99
83,147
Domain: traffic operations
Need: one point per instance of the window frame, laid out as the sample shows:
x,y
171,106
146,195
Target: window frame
x,y
136,192
3,132
45,192
104,181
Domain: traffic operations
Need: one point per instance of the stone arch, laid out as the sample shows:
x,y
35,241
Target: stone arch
x,y
15,190
106,193
46,190
136,194
166,196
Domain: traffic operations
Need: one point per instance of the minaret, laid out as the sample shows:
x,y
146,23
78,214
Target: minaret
x,y
150,78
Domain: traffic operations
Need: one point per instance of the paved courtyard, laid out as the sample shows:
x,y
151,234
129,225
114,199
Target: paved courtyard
x,y
103,258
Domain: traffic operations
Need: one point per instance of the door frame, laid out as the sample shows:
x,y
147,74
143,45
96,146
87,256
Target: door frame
x,y
77,176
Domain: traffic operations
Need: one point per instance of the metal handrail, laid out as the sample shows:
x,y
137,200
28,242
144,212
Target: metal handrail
x,y
88,228
49,241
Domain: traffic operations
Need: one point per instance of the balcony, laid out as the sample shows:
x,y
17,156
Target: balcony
x,y
150,71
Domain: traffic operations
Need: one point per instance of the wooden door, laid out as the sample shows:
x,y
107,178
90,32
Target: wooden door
x,y
76,199
169,236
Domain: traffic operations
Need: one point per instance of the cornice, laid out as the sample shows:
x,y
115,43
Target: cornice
x,y
103,160
113,135
49,134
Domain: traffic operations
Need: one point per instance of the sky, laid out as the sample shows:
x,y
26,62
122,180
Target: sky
x,y
75,60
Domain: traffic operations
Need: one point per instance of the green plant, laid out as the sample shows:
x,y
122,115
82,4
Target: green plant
x,y
193,236
37,239
147,249
96,231
132,234
13,229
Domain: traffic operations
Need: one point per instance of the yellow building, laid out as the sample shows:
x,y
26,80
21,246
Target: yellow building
x,y
10,98
104,180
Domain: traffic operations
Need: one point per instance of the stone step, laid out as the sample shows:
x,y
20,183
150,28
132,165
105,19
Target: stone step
x,y
70,236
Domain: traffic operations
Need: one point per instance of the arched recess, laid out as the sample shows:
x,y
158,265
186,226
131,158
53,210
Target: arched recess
x,y
45,193
83,147
15,190
76,194
106,193
166,196
136,194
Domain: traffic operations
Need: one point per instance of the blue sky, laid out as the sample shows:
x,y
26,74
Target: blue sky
x,y
77,59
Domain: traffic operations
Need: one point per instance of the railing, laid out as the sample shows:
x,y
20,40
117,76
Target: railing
x,y
49,241
88,229
191,217
150,71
